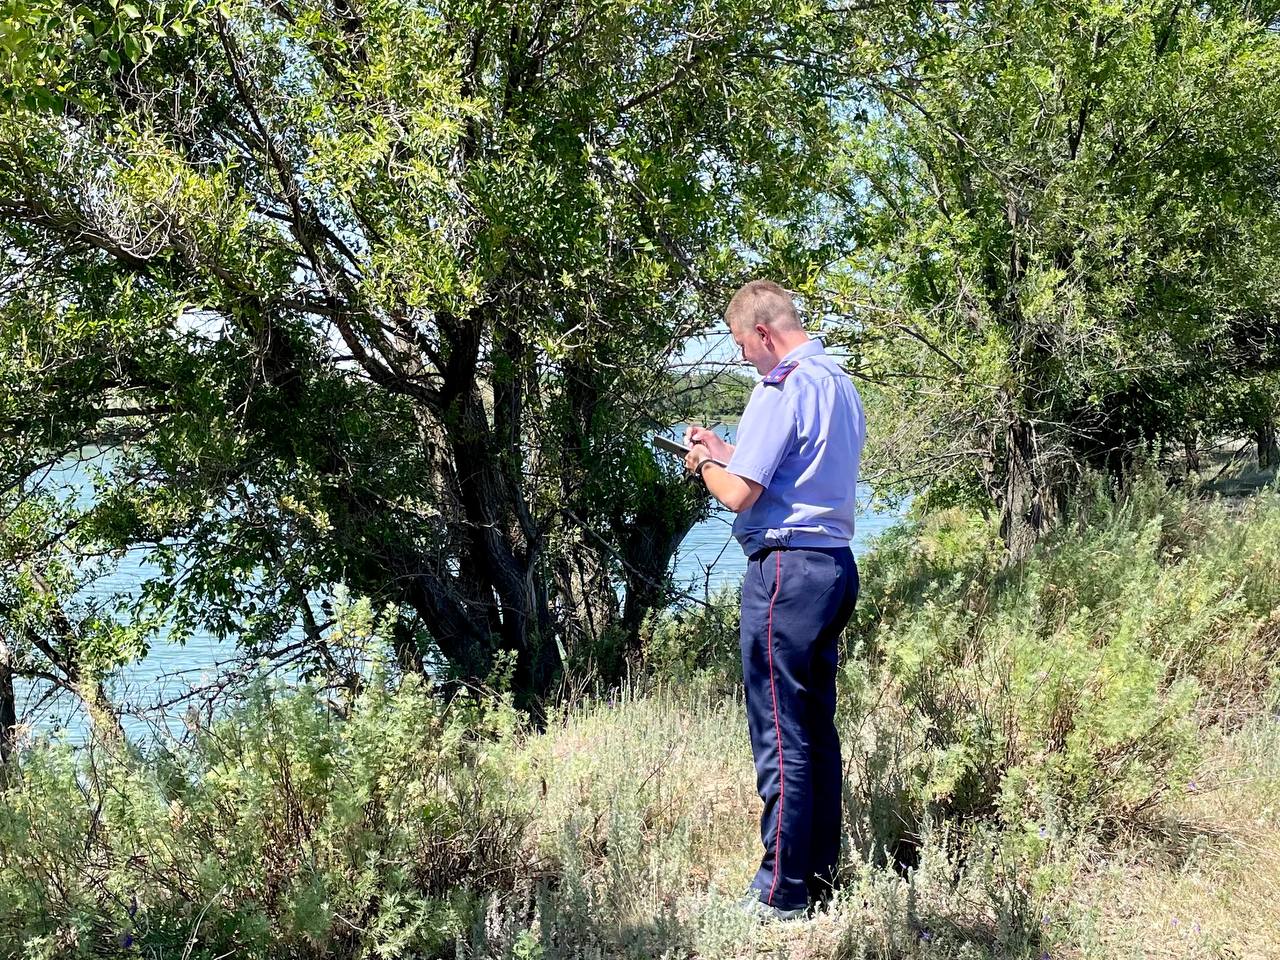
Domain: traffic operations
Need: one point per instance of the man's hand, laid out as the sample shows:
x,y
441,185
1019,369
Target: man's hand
x,y
695,456
702,436
736,493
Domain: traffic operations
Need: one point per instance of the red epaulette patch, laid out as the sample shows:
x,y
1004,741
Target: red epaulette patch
x,y
780,372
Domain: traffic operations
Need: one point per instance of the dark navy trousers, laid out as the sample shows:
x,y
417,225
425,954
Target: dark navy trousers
x,y
795,603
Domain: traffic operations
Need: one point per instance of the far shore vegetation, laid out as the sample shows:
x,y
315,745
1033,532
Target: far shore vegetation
x,y
714,396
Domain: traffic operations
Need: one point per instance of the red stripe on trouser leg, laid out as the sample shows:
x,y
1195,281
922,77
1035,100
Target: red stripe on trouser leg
x,y
777,730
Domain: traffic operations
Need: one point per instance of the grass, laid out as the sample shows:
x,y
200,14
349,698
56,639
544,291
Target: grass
x,y
650,800
641,830
1211,886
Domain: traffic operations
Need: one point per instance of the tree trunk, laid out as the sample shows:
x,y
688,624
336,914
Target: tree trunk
x,y
647,552
504,550
1025,498
590,602
1264,435
404,642
8,713
1191,445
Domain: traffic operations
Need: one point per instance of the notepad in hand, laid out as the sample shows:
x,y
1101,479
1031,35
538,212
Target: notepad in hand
x,y
677,449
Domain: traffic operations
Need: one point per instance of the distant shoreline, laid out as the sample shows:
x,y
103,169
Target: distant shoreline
x,y
720,421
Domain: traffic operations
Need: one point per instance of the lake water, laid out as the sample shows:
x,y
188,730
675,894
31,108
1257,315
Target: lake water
x,y
709,559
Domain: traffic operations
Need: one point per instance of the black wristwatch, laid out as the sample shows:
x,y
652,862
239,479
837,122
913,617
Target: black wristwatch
x,y
702,465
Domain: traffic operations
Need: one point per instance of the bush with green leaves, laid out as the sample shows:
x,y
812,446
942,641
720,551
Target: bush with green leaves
x,y
285,830
999,723
697,642
1065,689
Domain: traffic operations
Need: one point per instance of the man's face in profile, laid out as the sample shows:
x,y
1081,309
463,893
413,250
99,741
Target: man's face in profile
x,y
754,344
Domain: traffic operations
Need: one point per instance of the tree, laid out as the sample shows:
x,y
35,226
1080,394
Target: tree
x,y
381,292
1068,241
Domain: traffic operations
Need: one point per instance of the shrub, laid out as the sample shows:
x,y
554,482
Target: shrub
x,y
696,643
993,718
1065,688
284,831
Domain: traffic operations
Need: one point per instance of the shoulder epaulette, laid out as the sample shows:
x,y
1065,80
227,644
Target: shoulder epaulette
x,y
780,373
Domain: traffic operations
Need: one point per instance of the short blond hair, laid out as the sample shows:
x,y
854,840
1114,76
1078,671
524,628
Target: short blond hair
x,y
762,302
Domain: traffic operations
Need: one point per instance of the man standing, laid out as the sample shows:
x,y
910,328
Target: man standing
x,y
792,480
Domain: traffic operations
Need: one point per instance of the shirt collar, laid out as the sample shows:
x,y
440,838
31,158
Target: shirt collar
x,y
810,348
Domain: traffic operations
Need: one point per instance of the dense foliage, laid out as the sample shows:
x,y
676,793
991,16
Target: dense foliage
x,y
1069,690
343,325
387,295
1067,221
283,832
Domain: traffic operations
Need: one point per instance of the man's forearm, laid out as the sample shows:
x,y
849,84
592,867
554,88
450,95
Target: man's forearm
x,y
735,492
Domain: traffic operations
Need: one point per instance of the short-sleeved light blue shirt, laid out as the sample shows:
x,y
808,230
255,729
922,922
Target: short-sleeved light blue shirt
x,y
801,439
